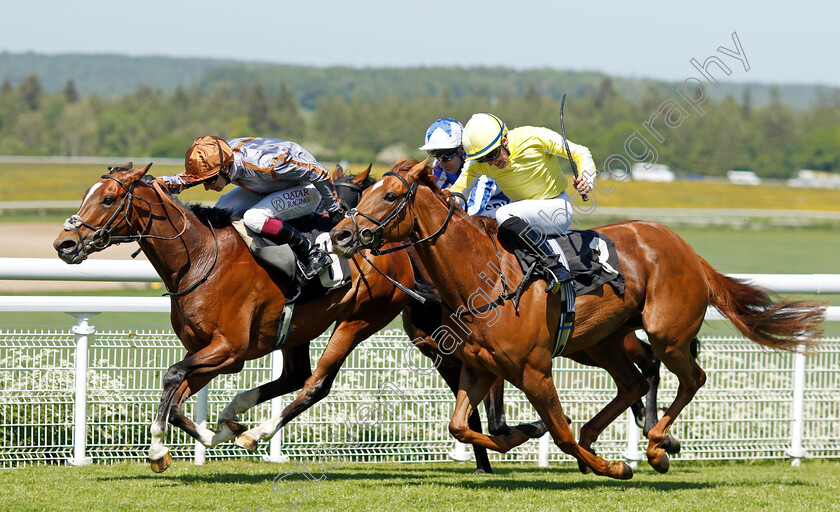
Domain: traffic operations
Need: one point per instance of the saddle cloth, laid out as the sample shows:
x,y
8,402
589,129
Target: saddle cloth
x,y
283,260
593,261
590,257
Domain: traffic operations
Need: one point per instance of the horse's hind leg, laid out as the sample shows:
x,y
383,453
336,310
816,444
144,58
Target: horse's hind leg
x,y
472,388
610,355
296,369
344,339
675,352
539,387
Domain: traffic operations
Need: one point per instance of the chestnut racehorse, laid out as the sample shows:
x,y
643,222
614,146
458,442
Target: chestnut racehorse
x,y
667,290
226,307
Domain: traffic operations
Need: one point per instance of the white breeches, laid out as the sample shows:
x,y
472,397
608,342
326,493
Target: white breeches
x,y
550,216
255,209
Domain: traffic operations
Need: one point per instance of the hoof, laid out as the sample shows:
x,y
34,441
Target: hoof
x,y
532,430
234,426
247,442
671,445
662,465
626,472
160,465
479,472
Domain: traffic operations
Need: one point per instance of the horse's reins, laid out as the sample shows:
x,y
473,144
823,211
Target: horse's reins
x,y
368,236
102,237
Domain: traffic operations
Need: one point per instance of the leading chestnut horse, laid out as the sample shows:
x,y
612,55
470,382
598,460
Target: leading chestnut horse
x,y
667,290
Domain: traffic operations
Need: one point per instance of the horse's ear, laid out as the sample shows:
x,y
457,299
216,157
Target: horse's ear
x,y
117,168
362,176
401,160
419,169
336,173
138,173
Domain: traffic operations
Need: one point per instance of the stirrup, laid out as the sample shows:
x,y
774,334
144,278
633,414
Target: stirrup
x,y
556,278
318,261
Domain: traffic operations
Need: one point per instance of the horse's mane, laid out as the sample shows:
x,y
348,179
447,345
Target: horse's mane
x,y
207,215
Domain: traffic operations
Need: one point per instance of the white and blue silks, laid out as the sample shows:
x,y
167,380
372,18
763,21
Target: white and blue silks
x,y
484,196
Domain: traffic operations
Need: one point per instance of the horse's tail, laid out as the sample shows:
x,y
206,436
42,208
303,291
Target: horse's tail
x,y
780,324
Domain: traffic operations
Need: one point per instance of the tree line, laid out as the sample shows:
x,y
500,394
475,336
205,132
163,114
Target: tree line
x,y
772,139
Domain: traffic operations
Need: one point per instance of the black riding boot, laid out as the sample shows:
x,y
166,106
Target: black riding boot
x,y
556,273
311,257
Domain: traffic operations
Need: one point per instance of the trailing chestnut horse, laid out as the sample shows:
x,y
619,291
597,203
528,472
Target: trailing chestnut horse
x,y
222,323
667,290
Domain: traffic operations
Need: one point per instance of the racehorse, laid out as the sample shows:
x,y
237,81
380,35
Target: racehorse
x,y
222,323
667,290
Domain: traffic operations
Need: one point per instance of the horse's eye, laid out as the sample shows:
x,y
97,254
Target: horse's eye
x,y
390,197
108,200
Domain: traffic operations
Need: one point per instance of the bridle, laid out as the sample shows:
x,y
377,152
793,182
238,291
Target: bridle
x,y
103,238
354,187
367,237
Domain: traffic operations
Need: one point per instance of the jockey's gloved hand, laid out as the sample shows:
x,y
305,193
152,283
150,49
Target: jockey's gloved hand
x,y
460,200
338,214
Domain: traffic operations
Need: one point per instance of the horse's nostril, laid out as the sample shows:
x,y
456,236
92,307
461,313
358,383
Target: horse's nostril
x,y
342,235
66,245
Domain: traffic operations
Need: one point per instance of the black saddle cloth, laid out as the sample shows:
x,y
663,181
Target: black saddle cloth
x,y
592,258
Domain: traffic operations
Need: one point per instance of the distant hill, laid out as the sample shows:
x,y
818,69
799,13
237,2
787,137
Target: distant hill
x,y
114,75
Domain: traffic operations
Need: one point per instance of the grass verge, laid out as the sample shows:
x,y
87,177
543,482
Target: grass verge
x,y
247,486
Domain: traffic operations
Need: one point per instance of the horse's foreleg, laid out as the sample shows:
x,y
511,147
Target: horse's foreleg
x,y
200,367
450,371
159,456
473,387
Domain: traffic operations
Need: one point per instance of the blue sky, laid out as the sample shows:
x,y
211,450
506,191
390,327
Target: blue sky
x,y
790,42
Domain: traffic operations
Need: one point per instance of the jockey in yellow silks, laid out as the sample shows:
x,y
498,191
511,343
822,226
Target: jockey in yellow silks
x,y
524,163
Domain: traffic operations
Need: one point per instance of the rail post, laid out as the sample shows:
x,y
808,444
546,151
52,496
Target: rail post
x,y
82,330
275,453
632,454
796,451
201,419
542,453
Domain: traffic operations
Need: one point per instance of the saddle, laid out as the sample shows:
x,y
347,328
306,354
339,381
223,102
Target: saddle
x,y
282,260
590,257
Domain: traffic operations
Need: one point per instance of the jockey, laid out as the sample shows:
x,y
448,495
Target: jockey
x,y
524,163
443,142
277,181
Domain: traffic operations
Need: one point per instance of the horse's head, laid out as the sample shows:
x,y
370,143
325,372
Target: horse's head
x,y
107,215
383,213
349,187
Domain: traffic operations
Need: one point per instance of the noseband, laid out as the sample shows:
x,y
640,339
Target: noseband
x,y
367,237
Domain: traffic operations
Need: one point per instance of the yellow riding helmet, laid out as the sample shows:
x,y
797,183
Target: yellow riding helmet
x,y
206,157
482,134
